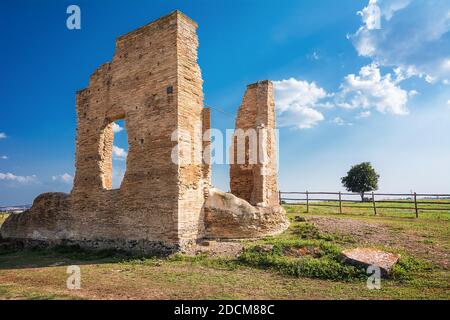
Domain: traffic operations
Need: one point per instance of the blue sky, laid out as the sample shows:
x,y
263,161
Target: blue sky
x,y
355,81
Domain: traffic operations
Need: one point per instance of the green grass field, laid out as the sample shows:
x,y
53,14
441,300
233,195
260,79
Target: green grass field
x,y
422,273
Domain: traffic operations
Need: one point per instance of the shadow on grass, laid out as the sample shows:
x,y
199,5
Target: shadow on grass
x,y
61,256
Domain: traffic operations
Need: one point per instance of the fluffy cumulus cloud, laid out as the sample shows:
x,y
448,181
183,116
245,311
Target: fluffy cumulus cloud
x,y
404,38
64,178
297,103
369,89
411,36
2,135
119,153
117,128
19,179
301,104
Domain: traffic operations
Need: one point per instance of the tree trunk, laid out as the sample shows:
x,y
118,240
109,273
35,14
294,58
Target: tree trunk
x,y
362,196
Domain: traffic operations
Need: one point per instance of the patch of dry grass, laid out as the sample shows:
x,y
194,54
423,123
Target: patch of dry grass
x,y
185,279
3,216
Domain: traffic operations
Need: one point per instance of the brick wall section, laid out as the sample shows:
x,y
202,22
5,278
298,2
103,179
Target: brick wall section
x,y
190,128
257,183
207,147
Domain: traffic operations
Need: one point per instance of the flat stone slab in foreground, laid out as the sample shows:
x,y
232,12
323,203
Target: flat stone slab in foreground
x,y
365,257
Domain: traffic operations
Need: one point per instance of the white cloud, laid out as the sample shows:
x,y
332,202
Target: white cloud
x,y
4,157
371,15
370,89
2,135
296,103
119,153
117,128
412,36
65,178
413,93
364,114
341,122
378,9
314,56
301,117
20,179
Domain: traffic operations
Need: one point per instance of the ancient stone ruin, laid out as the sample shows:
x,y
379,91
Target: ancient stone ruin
x,y
154,83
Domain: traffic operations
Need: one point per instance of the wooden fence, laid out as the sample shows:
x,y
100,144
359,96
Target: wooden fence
x,y
336,200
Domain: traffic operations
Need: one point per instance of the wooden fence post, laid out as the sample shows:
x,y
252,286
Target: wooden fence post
x,y
279,197
307,201
415,204
340,202
374,204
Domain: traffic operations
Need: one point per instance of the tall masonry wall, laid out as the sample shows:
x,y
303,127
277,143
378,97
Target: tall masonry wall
x,y
254,177
154,83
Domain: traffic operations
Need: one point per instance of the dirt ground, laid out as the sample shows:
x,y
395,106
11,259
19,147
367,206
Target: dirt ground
x,y
224,249
380,234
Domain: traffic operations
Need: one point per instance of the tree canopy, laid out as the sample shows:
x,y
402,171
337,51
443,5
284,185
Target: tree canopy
x,y
361,178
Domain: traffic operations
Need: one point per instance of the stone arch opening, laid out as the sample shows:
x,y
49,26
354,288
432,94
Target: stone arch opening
x,y
119,153
114,153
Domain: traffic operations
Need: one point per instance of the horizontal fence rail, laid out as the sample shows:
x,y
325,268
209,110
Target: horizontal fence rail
x,y
373,201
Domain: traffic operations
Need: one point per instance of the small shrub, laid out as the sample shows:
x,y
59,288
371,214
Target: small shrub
x,y
407,266
326,266
309,231
306,231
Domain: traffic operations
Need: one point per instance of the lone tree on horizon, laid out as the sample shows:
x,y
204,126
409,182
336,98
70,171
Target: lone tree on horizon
x,y
361,178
